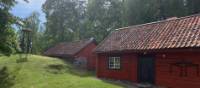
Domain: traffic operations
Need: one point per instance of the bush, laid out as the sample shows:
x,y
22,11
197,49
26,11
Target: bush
x,y
6,80
8,42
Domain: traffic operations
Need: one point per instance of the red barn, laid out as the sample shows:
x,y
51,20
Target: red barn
x,y
78,51
165,53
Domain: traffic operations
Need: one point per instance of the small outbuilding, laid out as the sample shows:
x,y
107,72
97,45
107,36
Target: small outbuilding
x,y
165,53
80,52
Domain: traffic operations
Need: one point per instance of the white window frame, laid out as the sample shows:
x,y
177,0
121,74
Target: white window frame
x,y
114,63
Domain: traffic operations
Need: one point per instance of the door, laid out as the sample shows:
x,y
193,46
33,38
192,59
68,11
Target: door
x,y
146,69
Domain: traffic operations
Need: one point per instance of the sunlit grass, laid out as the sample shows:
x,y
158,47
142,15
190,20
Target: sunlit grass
x,y
46,72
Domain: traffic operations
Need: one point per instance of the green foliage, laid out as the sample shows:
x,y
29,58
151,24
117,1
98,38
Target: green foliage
x,y
192,6
170,8
69,20
6,80
33,23
103,16
63,19
144,11
8,44
5,16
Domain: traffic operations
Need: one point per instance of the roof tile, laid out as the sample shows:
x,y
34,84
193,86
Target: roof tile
x,y
176,33
68,48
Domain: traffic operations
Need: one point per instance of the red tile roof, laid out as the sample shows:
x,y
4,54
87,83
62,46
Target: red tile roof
x,y
182,32
68,48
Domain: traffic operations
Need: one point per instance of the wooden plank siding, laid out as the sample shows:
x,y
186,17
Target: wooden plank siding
x,y
174,80
128,70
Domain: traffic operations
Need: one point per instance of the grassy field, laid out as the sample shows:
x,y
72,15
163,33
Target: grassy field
x,y
46,72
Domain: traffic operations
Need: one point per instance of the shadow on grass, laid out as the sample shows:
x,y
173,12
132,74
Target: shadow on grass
x,y
67,68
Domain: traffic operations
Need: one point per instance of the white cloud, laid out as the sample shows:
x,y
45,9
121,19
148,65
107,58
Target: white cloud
x,y
32,4
31,1
24,9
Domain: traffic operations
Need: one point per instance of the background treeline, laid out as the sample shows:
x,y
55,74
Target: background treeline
x,y
70,20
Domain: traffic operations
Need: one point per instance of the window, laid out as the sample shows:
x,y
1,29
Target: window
x,y
114,63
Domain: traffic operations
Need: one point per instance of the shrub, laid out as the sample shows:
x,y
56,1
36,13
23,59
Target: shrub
x,y
6,80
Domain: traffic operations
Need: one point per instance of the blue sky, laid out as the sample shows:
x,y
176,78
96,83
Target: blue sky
x,y
23,9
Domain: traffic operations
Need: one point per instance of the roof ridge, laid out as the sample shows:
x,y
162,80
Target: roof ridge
x,y
155,22
171,34
72,48
88,39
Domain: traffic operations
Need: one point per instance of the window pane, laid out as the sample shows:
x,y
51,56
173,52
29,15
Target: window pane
x,y
114,63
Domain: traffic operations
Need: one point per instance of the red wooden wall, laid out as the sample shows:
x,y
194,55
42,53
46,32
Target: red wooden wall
x,y
163,75
128,69
88,53
174,80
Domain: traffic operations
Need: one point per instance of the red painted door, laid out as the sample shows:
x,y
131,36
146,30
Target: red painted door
x,y
146,69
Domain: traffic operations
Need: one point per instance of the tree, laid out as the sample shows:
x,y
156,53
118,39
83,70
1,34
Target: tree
x,y
192,6
69,20
63,20
142,11
171,8
33,23
102,17
7,34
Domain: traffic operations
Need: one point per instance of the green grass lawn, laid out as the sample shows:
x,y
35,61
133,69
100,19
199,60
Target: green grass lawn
x,y
46,72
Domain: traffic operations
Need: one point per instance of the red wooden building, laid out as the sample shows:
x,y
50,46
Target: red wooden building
x,y
78,51
165,53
